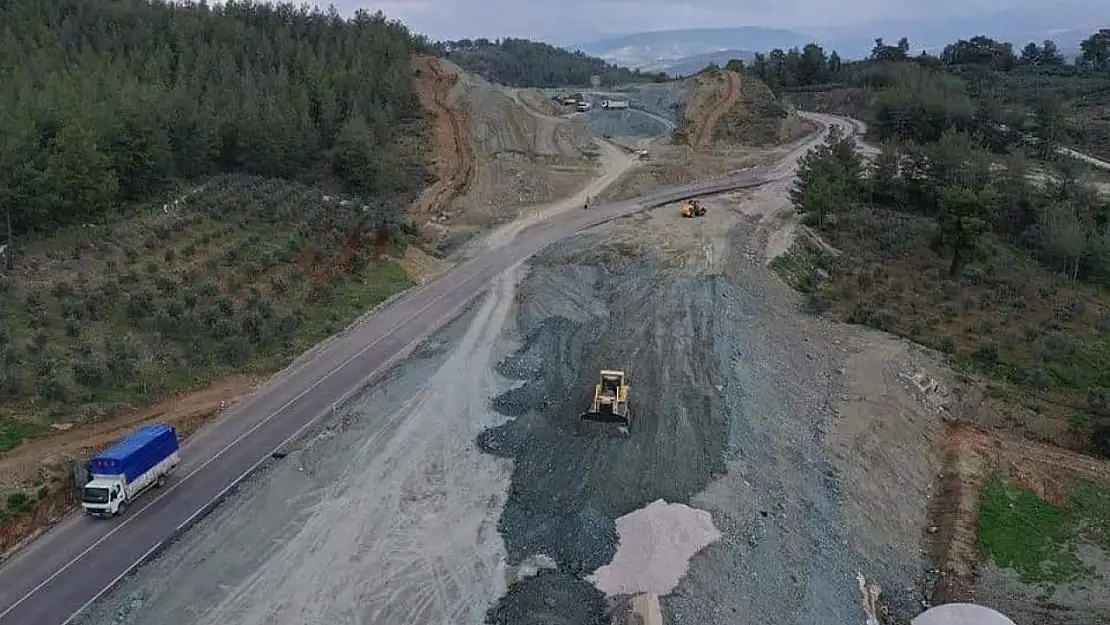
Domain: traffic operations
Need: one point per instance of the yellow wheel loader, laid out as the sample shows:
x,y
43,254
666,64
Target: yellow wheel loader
x,y
692,208
610,403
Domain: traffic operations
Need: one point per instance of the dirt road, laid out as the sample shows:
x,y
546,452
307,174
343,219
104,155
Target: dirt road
x,y
615,162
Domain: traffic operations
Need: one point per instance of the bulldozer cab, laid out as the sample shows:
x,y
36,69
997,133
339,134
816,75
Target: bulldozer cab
x,y
610,384
610,401
691,208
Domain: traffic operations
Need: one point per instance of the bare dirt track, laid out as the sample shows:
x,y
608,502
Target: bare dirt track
x,y
704,124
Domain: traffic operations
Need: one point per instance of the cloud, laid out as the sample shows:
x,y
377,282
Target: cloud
x,y
567,21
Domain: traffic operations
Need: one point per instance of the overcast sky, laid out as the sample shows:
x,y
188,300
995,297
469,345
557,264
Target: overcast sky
x,y
573,21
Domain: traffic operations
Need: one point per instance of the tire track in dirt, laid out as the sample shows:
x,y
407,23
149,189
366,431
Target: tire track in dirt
x,y
454,159
703,132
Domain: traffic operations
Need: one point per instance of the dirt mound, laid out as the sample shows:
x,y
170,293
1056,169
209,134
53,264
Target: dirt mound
x,y
569,487
706,355
725,107
497,150
656,544
716,94
550,598
760,119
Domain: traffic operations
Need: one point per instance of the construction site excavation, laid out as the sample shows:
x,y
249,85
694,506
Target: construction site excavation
x,y
633,424
640,424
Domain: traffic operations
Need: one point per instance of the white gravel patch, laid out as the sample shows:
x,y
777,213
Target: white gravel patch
x,y
656,544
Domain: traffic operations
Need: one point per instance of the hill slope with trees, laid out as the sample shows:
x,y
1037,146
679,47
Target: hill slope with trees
x,y
969,232
107,102
172,176
524,63
978,84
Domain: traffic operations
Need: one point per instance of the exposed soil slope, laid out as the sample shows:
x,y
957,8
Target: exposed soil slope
x,y
522,156
726,97
724,108
453,156
971,455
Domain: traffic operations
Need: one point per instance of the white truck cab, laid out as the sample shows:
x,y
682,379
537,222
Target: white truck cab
x,y
103,496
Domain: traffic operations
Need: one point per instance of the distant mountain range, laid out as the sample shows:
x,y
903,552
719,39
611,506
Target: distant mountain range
x,y
682,52
675,50
694,64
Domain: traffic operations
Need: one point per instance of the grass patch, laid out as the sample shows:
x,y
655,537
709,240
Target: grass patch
x,y
13,433
238,276
807,269
799,267
16,504
1038,540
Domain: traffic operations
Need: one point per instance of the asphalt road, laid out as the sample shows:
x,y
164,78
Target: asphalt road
x,y
58,576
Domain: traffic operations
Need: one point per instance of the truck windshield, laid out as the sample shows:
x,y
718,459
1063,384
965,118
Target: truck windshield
x,y
95,495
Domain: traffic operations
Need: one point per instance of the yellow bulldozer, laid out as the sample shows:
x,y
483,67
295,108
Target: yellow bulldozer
x,y
692,208
610,404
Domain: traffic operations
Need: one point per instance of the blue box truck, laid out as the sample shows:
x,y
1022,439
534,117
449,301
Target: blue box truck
x,y
129,468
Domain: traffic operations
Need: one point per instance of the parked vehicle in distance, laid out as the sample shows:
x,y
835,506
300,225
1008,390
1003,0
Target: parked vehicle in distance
x,y
129,468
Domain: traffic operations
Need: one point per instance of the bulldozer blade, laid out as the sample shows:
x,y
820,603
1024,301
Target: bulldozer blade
x,y
606,426
604,417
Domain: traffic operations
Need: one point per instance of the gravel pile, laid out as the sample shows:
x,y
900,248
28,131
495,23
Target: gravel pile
x,y
730,402
666,100
550,598
626,123
656,544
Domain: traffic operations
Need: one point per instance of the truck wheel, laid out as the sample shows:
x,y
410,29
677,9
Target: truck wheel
x,y
122,508
160,482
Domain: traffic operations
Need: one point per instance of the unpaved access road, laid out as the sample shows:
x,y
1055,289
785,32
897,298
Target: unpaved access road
x,y
379,501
